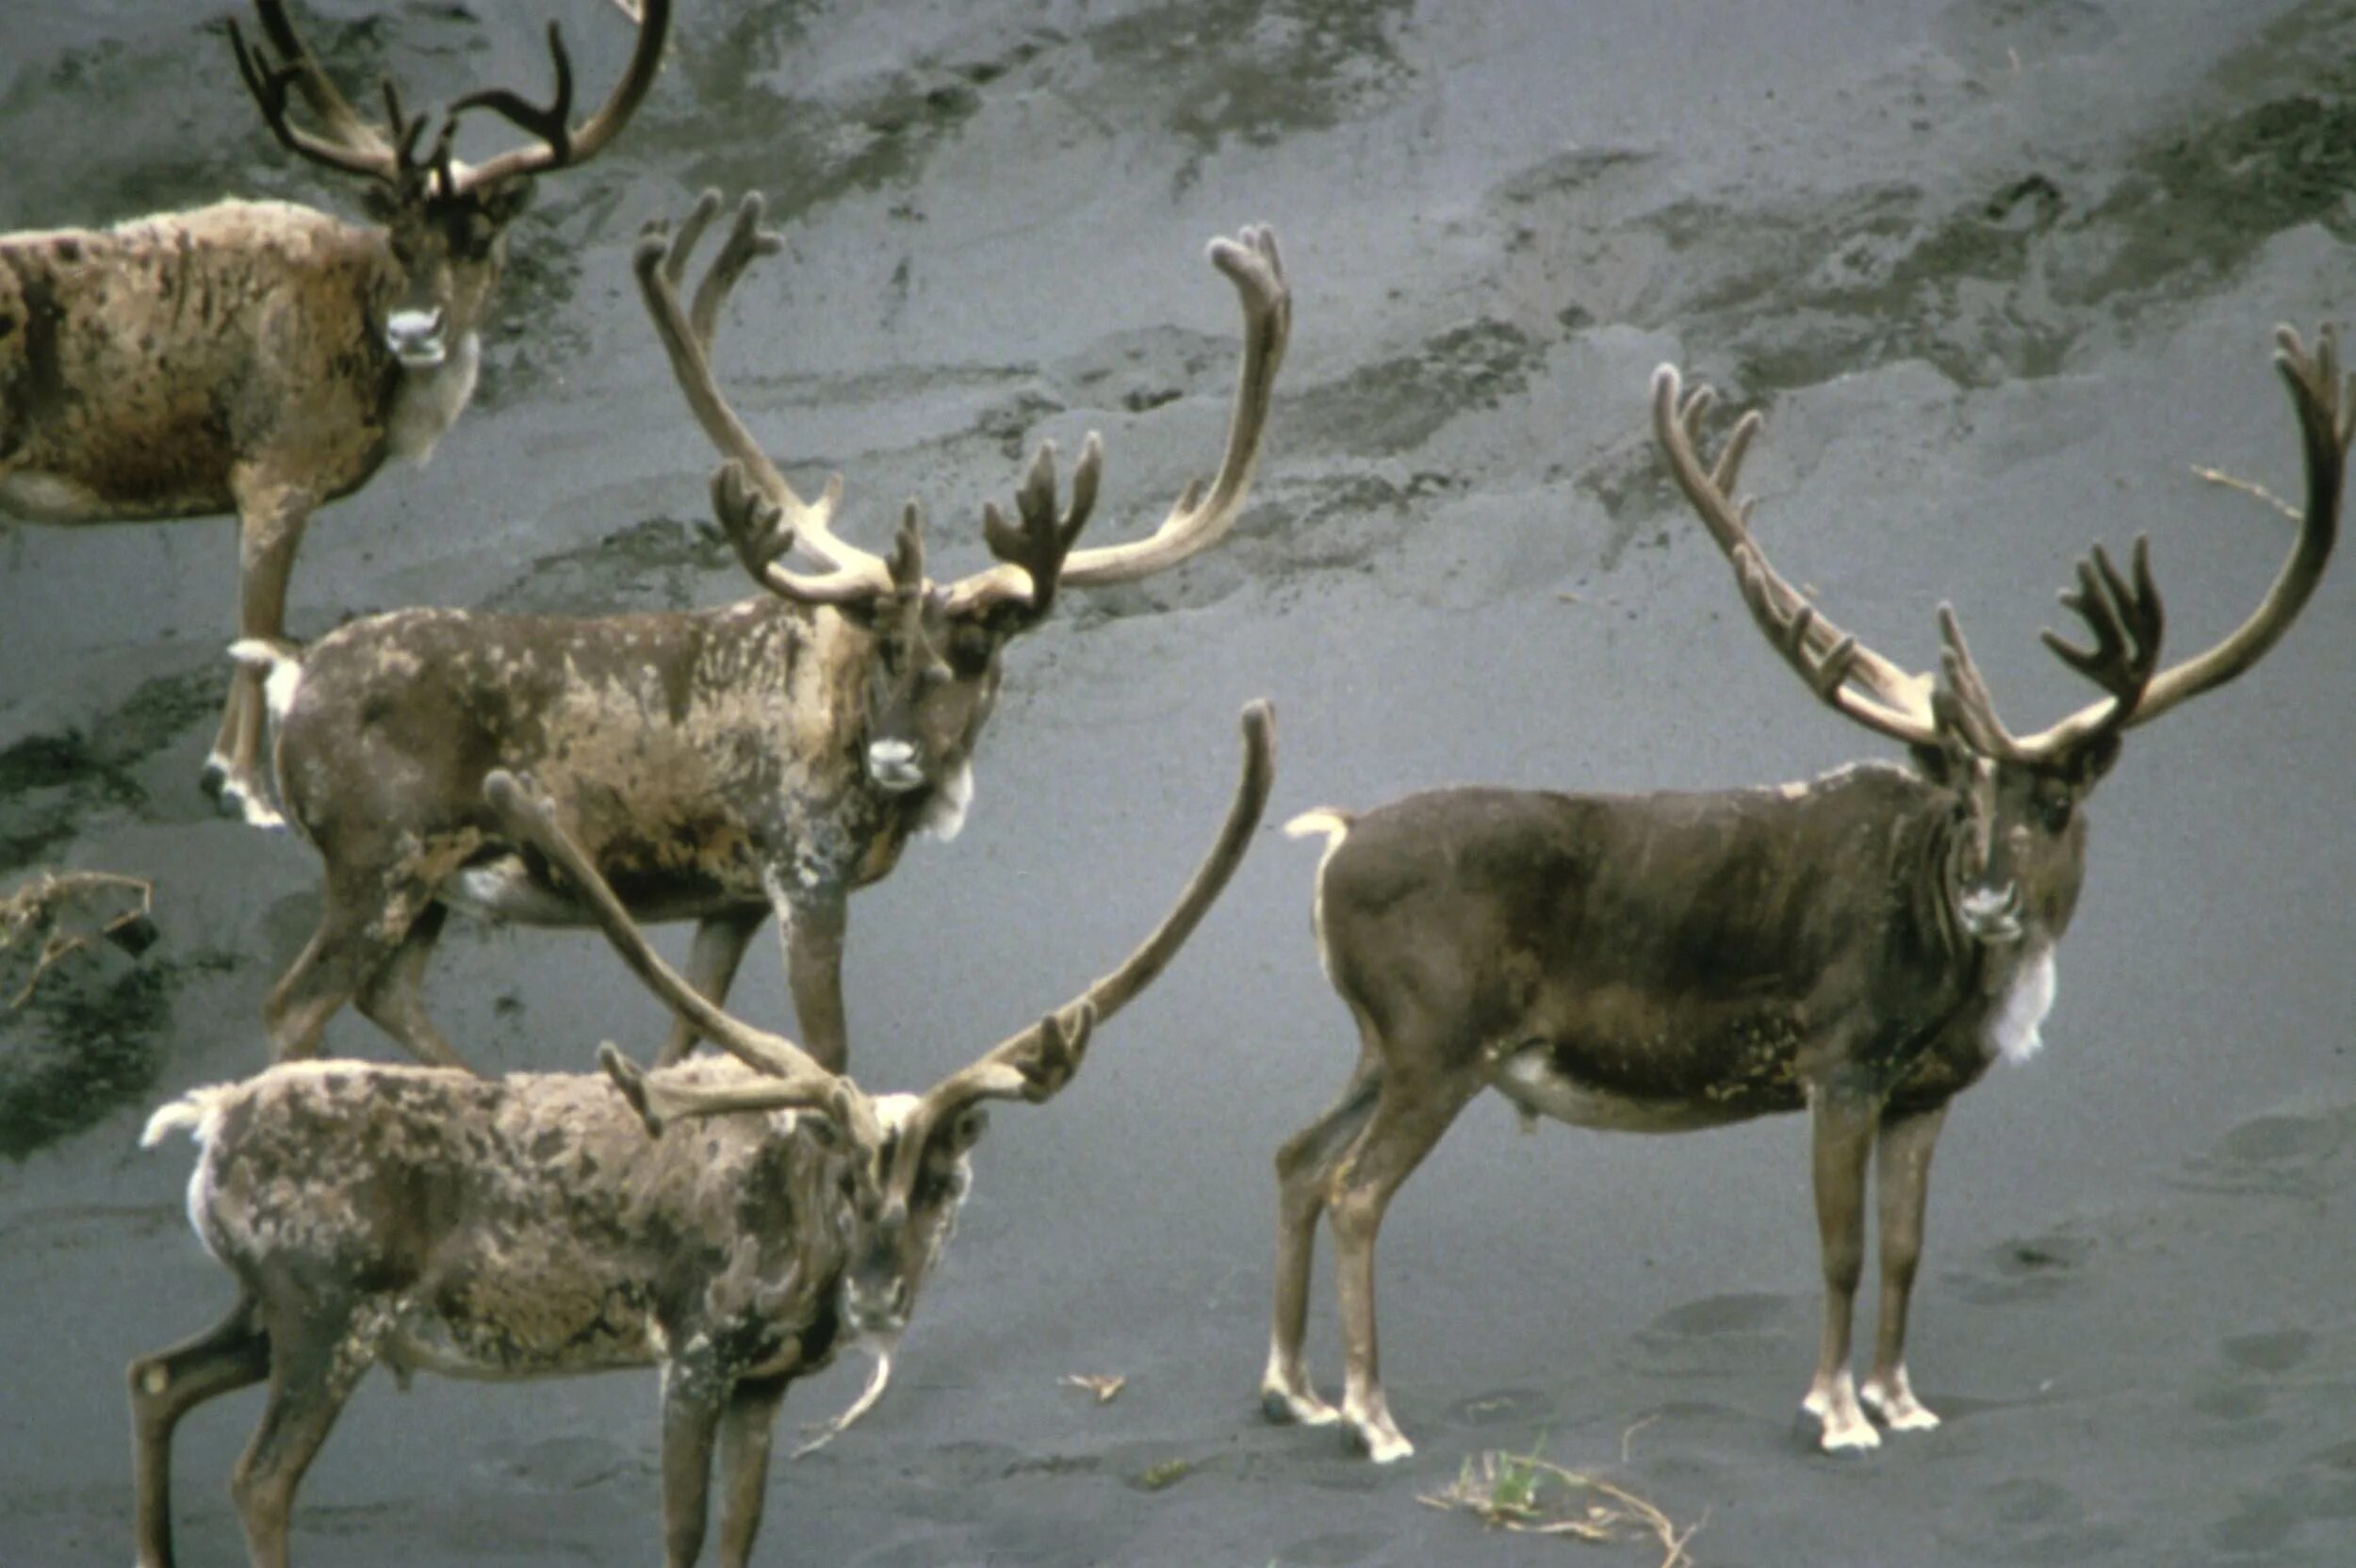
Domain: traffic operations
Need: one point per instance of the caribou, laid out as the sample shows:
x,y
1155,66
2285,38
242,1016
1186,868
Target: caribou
x,y
424,1218
717,765
264,358
1863,945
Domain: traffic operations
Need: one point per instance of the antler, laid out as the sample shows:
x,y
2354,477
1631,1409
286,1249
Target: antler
x,y
1833,663
531,819
562,143
350,143
2126,619
1037,550
2326,405
1034,1065
661,263
1198,521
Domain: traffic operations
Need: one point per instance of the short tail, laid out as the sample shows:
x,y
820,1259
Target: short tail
x,y
197,1112
1331,821
281,663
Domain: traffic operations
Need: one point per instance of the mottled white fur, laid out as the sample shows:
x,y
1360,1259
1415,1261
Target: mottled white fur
x,y
2013,1029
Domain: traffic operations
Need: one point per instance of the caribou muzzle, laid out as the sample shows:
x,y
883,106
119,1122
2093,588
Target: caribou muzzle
x,y
1991,914
416,338
896,767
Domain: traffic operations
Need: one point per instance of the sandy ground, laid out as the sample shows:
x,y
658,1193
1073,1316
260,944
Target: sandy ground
x,y
1999,270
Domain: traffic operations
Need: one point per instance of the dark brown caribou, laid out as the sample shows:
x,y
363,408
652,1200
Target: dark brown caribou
x,y
1862,945
718,765
499,1228
265,358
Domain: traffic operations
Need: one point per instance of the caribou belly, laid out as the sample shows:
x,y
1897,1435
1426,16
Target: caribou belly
x,y
1530,1079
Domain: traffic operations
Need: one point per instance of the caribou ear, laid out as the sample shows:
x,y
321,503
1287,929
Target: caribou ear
x,y
2087,764
964,1131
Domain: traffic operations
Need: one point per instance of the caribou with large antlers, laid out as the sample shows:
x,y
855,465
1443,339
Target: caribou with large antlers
x,y
264,358
424,1218
718,765
1862,945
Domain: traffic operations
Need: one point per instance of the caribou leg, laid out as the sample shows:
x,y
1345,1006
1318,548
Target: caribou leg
x,y
393,998
1842,1125
271,520
746,1424
813,972
313,1370
1902,1183
1304,1167
711,962
165,1386
1411,1111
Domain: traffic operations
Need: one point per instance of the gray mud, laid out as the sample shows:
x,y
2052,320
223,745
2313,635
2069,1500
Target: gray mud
x,y
1997,270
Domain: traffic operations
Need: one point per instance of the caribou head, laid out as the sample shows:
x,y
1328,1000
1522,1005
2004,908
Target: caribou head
x,y
445,221
2015,857
934,679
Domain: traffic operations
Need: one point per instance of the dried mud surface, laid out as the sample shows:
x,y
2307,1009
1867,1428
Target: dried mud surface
x,y
1997,270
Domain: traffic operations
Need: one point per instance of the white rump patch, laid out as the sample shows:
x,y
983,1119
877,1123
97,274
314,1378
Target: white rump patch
x,y
430,402
2013,1028
199,1113
945,813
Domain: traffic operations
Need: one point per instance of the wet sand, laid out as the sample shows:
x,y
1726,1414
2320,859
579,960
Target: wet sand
x,y
1998,270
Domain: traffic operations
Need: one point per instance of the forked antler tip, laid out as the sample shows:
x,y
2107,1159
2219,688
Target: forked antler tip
x,y
1253,264
630,1081
511,795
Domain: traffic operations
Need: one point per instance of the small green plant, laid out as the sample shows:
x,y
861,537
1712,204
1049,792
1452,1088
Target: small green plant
x,y
1533,1495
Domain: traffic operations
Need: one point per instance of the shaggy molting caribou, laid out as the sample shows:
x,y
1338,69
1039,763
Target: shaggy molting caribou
x,y
264,358
532,1226
717,765
1862,945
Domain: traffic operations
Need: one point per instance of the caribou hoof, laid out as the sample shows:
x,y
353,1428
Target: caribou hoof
x,y
1289,1408
1377,1436
1892,1400
1843,1427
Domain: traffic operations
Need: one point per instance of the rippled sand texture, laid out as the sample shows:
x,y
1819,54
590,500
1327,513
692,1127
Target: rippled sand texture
x,y
1999,270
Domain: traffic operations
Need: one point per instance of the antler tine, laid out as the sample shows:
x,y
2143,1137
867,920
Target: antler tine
x,y
1034,1065
1898,696
2324,403
531,817
2127,619
1971,705
351,145
561,142
679,1093
660,262
746,241
1201,518
757,526
1033,554
1826,658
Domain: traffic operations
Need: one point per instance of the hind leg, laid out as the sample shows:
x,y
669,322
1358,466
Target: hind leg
x,y
167,1385
393,998
1304,1169
1409,1115
316,1361
362,931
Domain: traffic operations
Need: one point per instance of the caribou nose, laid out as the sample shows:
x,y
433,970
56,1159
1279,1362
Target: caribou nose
x,y
893,764
1992,914
416,337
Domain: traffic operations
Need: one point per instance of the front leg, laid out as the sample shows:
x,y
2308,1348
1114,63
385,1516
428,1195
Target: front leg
x,y
1842,1123
692,1395
1903,1179
813,924
712,958
745,1426
271,518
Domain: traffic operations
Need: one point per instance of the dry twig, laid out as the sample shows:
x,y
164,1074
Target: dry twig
x,y
2248,487
36,906
1103,1385
1508,1492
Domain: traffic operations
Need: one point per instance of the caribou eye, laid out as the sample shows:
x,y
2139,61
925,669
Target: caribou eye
x,y
969,649
2056,814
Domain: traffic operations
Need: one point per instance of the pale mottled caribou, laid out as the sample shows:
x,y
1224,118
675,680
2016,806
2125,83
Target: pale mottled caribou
x,y
426,1220
1863,945
719,765
265,358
